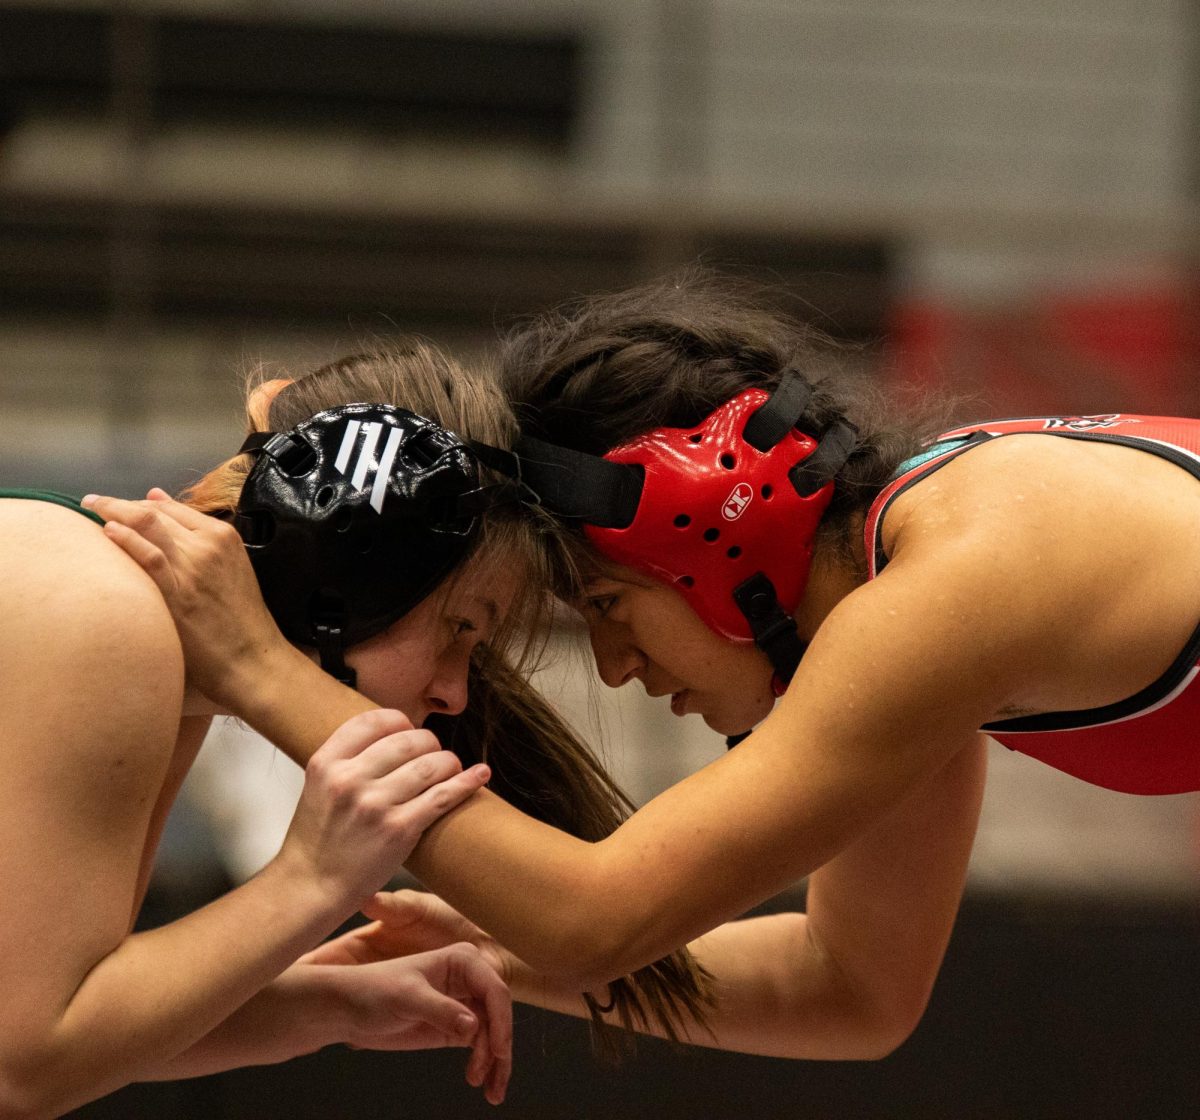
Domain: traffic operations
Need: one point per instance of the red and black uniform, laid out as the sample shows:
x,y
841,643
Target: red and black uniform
x,y
1149,742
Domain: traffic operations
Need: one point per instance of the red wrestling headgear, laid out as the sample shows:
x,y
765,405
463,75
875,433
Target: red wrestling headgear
x,y
724,512
715,510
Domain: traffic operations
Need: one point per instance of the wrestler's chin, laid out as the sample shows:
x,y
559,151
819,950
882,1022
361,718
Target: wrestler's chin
x,y
740,722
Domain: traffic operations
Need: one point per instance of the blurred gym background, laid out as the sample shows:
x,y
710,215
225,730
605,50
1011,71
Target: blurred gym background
x,y
996,198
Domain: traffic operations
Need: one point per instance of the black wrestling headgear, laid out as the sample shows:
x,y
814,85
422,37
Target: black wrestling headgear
x,y
353,517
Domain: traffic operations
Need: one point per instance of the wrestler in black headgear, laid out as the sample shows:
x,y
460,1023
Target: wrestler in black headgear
x,y
353,517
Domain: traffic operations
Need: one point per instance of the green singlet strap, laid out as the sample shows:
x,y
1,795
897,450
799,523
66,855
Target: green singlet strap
x,y
53,497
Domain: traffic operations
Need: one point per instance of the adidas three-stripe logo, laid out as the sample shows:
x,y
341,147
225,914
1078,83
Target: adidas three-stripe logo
x,y
366,463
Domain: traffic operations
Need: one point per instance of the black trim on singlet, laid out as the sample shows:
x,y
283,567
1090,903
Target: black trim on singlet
x,y
1108,713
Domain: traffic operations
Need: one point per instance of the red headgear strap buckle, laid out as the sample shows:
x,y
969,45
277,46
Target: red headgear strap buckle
x,y
715,510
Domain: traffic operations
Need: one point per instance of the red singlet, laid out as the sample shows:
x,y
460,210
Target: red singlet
x,y
1149,742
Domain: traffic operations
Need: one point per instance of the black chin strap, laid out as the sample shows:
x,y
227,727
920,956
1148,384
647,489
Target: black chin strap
x,y
774,631
329,626
331,649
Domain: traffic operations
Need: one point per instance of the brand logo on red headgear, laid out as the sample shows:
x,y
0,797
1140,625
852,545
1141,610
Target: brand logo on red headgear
x,y
735,505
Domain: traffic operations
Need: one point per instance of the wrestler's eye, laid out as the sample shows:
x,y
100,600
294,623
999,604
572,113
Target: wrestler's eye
x,y
461,626
601,604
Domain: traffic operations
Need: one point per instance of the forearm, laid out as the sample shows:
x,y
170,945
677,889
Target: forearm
x,y
533,896
538,895
775,994
291,1016
291,702
850,979
161,991
778,993
661,880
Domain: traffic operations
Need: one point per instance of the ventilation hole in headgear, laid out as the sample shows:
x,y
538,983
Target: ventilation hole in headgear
x,y
422,449
686,581
324,497
297,459
343,520
767,491
728,461
734,552
711,535
682,521
695,437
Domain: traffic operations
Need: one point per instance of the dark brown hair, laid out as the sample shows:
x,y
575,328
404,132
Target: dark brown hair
x,y
597,372
538,763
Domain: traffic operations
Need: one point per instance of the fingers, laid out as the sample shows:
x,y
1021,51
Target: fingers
x,y
178,511
387,754
430,919
447,1016
149,557
490,1064
352,947
142,517
401,908
421,811
381,747
161,519
412,925
359,732
138,528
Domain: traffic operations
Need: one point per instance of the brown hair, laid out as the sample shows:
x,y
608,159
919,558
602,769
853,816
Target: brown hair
x,y
538,764
600,371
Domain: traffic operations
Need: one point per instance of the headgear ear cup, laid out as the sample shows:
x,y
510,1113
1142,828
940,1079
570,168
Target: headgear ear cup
x,y
715,510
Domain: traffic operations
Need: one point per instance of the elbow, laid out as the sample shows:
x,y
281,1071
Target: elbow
x,y
580,960
882,1040
23,1097
584,953
31,1089
884,1028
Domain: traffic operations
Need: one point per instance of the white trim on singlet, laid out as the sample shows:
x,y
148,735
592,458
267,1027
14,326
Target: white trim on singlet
x,y
1167,443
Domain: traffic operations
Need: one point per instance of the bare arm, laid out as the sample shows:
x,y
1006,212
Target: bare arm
x,y
849,979
832,760
837,754
892,687
450,996
91,678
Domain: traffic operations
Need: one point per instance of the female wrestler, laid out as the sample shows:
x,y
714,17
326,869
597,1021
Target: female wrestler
x,y
756,540
100,722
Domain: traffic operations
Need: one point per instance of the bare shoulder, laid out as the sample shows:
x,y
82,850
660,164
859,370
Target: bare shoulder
x,y
1085,551
74,604
1058,491
91,681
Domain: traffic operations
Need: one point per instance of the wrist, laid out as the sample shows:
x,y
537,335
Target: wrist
x,y
248,684
310,1008
322,899
288,699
